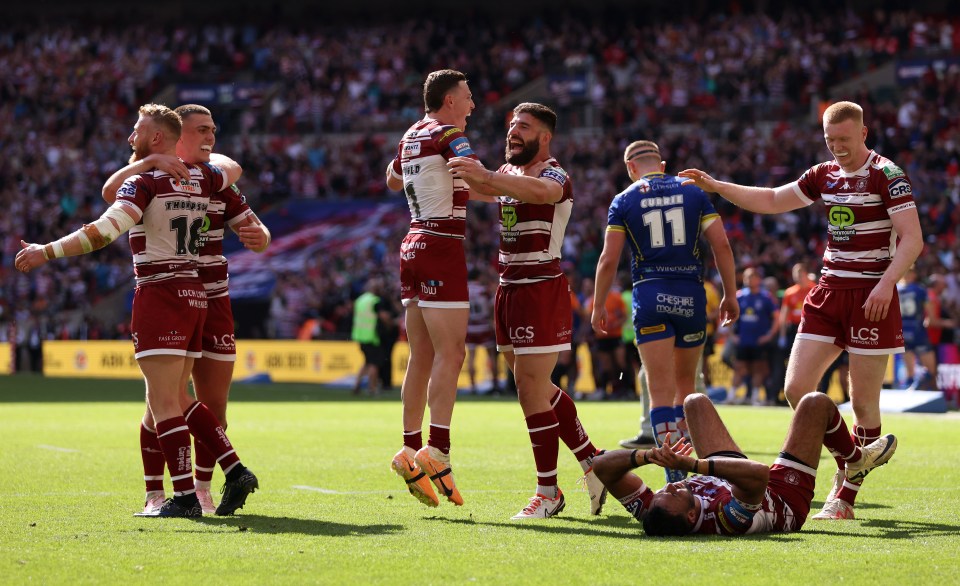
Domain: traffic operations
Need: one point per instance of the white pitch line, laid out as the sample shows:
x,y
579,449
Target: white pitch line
x,y
57,449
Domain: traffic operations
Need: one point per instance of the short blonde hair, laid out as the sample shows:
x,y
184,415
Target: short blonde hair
x,y
641,148
165,118
843,111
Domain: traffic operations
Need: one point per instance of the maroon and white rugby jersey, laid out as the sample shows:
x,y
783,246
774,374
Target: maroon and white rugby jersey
x,y
714,493
227,208
166,242
861,239
531,235
437,200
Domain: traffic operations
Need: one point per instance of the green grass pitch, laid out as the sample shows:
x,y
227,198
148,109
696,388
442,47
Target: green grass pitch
x,y
330,511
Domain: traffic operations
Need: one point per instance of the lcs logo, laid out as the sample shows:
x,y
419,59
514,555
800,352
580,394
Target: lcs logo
x,y
508,216
840,216
865,335
521,333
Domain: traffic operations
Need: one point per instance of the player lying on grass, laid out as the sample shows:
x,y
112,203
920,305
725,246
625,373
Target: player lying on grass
x,y
733,494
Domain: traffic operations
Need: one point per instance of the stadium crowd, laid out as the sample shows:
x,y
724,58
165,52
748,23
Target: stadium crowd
x,y
736,94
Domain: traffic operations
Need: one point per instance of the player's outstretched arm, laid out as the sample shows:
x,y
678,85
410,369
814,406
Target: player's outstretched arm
x,y
613,242
167,163
762,200
527,189
230,168
723,257
115,221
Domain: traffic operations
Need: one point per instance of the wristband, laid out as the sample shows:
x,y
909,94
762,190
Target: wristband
x,y
695,463
633,458
646,458
46,255
57,249
711,467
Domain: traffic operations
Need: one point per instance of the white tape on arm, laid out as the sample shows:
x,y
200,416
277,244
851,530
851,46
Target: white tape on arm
x,y
110,230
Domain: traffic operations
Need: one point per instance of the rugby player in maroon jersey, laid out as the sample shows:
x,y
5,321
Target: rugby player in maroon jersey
x,y
531,319
433,281
212,372
873,237
164,215
734,495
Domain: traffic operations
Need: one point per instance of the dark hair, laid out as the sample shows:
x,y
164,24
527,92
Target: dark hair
x,y
540,112
660,523
190,109
437,85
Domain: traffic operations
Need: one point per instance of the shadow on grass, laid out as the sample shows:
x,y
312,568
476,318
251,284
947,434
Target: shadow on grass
x,y
631,529
895,529
284,525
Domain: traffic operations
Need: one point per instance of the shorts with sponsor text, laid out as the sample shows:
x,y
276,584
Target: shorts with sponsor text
x,y
218,338
433,272
836,316
664,308
534,318
168,318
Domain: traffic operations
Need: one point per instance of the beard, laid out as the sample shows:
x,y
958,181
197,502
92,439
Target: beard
x,y
138,153
526,154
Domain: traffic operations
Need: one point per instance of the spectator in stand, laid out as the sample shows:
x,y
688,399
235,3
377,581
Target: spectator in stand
x,y
752,336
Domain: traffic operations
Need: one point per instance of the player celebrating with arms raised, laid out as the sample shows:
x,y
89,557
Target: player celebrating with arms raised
x,y
873,237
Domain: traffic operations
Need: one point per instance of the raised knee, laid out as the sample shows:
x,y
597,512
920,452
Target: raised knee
x,y
693,402
811,400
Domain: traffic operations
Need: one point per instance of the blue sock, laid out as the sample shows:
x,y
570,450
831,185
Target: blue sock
x,y
663,421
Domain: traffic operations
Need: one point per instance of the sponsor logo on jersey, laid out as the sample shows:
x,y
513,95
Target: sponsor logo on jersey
x,y
411,149
508,219
899,187
901,207
554,174
450,132
653,329
127,189
521,333
461,147
840,217
186,186
865,336
892,171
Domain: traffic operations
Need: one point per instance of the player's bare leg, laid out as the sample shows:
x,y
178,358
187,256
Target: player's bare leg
x,y
809,359
707,431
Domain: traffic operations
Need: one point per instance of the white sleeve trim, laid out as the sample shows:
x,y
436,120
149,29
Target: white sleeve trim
x,y
794,188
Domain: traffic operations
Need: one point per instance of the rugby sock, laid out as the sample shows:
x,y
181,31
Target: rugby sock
x,y
205,427
545,440
678,416
571,430
861,436
413,439
152,455
174,438
204,463
439,437
838,441
664,423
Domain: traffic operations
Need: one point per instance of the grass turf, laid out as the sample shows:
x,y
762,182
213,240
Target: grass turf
x,y
330,510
